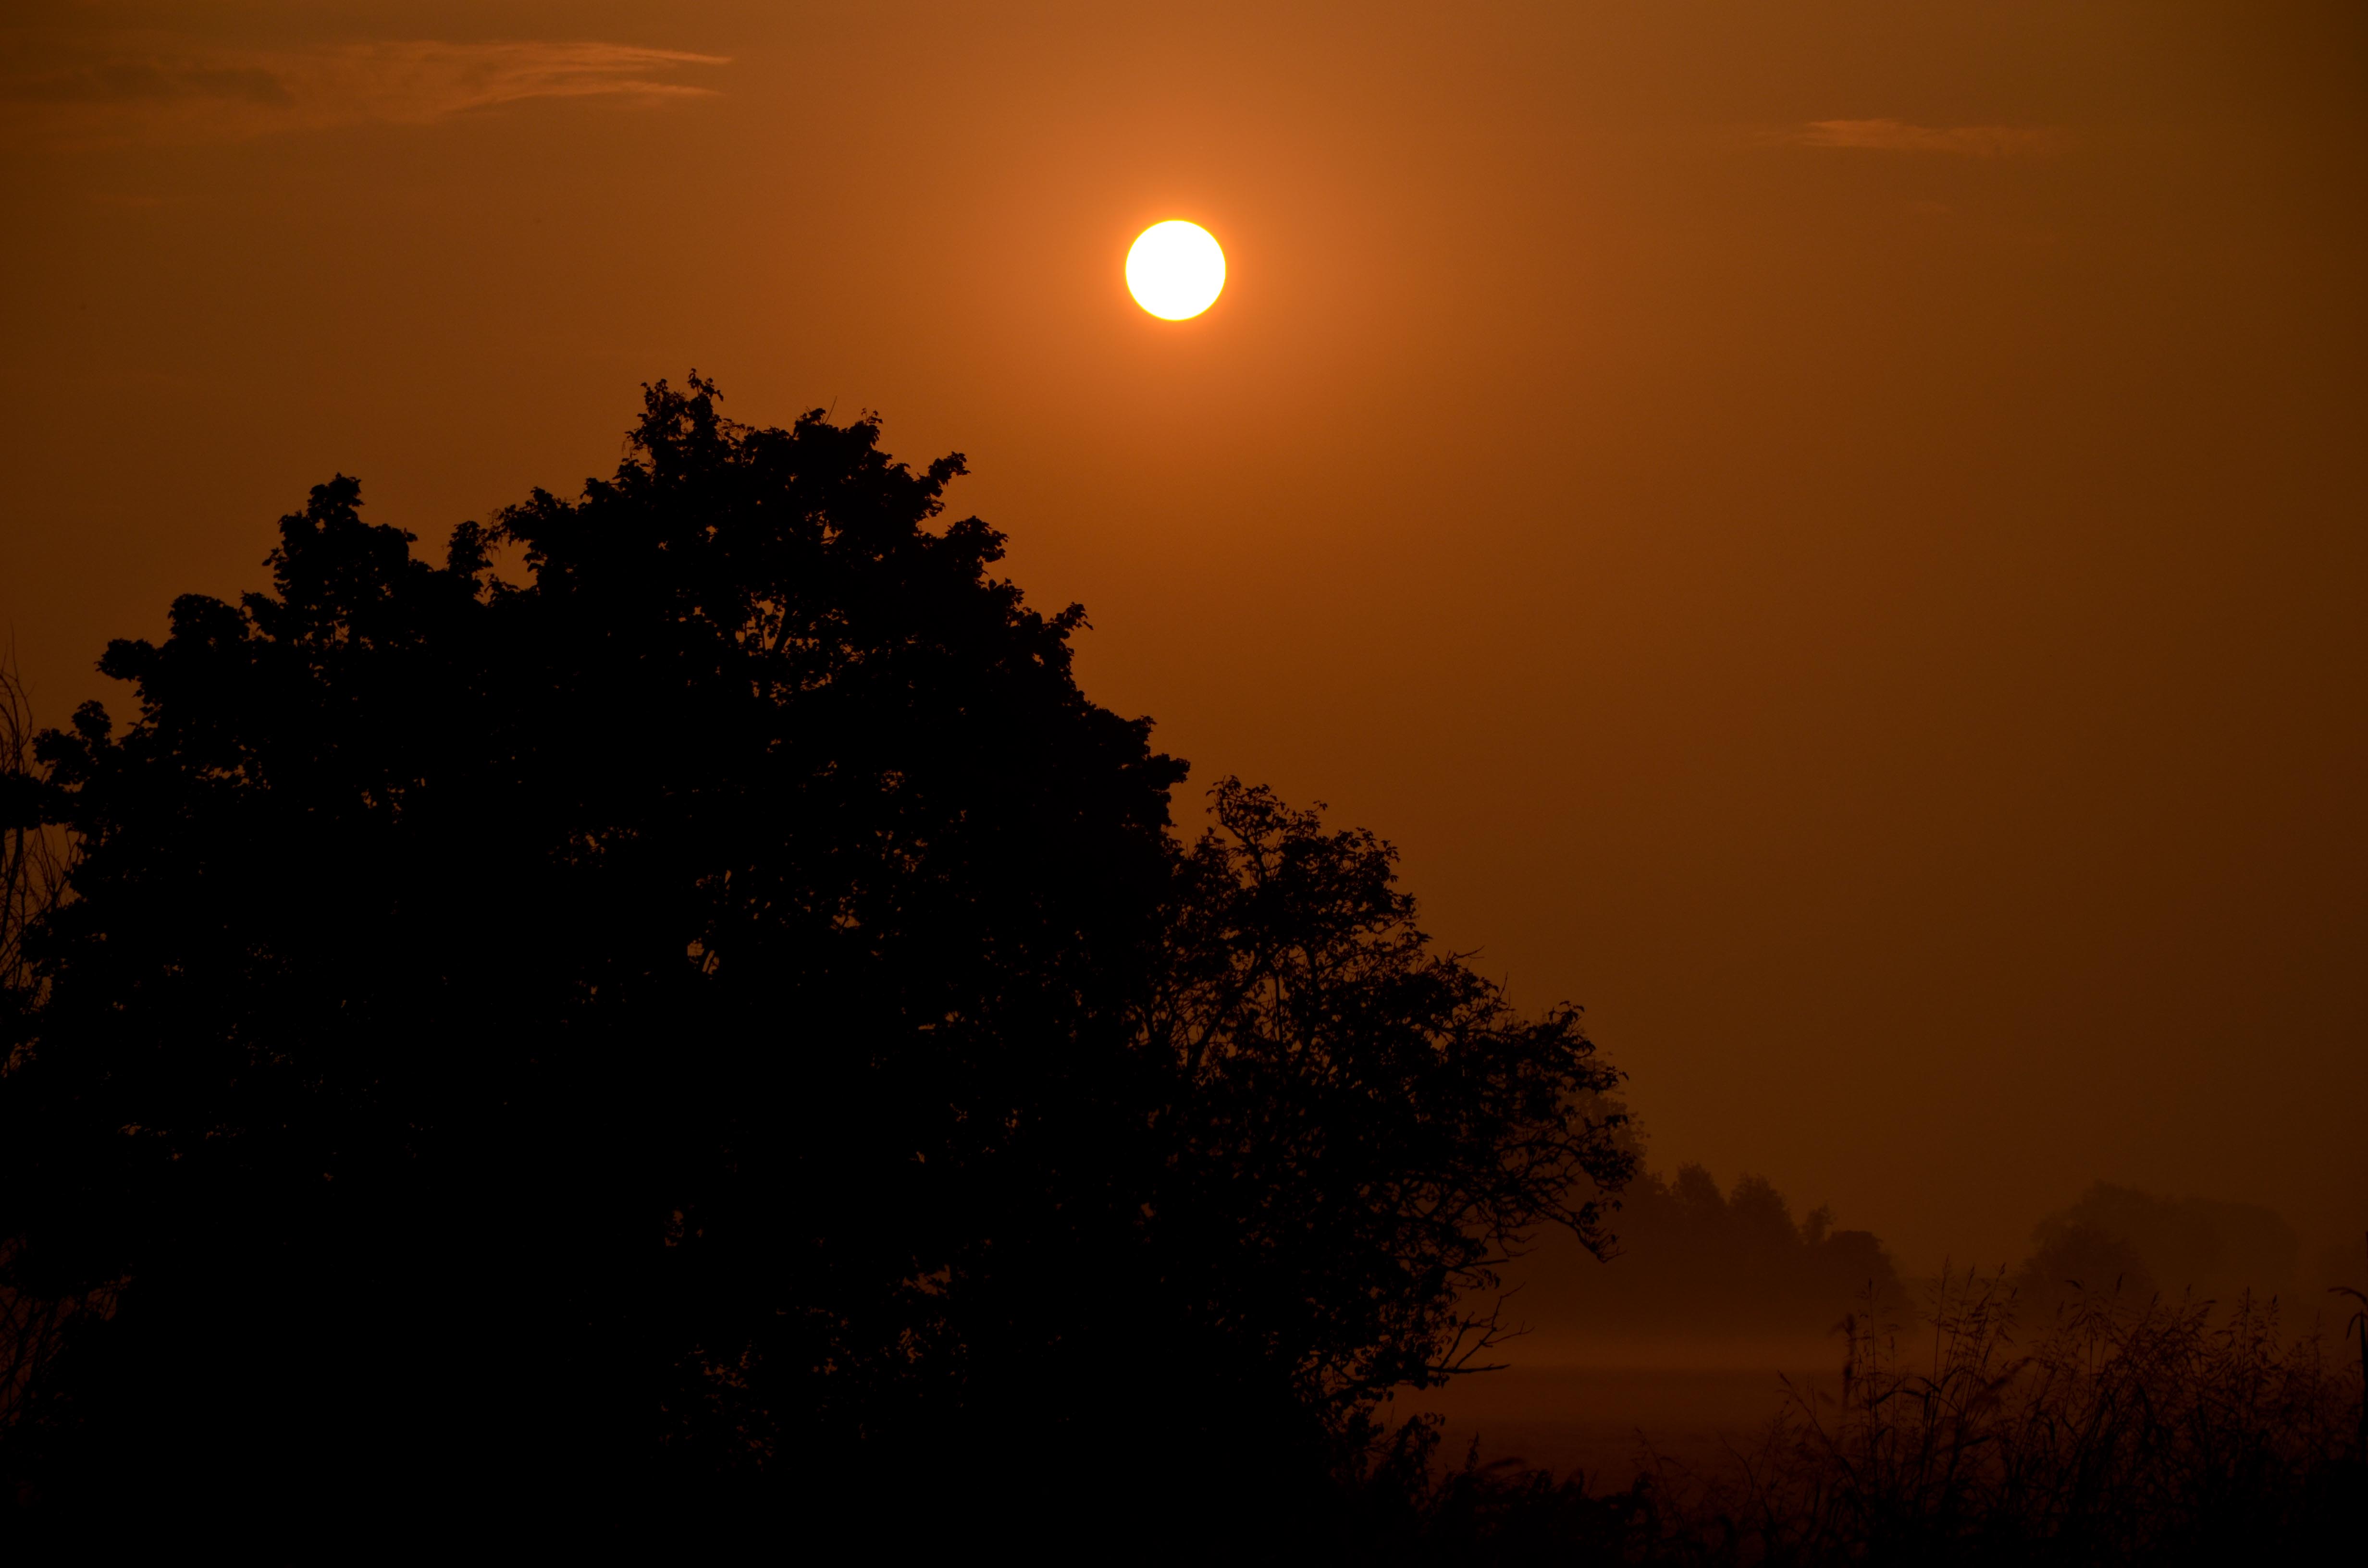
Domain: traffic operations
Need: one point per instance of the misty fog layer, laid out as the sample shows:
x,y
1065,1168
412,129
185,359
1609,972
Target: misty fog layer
x,y
1738,1278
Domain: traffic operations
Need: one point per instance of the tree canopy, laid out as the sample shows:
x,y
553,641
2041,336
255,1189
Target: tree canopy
x,y
688,999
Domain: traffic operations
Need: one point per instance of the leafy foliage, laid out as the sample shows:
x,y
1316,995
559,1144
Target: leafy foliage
x,y
1368,1125
32,874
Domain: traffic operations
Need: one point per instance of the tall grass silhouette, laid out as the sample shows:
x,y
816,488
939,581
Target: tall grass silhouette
x,y
2116,1432
2110,1431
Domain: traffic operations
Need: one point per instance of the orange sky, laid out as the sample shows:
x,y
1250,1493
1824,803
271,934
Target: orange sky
x,y
1830,533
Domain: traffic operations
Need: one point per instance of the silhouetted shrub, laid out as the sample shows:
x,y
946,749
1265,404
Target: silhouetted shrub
x,y
1399,1505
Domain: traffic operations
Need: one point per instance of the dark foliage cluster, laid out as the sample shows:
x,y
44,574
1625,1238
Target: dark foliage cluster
x,y
1305,1015
713,1021
32,864
32,874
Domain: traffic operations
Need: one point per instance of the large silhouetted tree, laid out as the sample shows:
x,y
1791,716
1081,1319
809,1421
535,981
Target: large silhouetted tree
x,y
716,1015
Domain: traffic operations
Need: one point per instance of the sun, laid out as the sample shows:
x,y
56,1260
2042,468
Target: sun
x,y
1175,270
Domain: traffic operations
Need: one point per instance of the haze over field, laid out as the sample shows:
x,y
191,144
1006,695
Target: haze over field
x,y
1831,535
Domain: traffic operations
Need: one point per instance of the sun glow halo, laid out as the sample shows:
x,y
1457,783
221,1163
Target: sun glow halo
x,y
1175,269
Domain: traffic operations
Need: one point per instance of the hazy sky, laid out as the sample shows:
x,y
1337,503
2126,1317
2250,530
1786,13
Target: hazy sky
x,y
1830,533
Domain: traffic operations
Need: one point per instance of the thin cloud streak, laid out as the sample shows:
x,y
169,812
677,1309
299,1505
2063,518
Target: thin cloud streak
x,y
162,90
1898,136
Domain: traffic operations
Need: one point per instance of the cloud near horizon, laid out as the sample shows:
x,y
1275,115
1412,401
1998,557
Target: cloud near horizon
x,y
169,89
1898,136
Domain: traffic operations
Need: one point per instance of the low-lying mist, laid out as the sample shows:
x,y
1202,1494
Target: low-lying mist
x,y
1735,1278
1722,1309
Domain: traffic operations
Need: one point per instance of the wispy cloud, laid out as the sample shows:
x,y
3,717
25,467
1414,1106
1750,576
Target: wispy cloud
x,y
137,90
1898,136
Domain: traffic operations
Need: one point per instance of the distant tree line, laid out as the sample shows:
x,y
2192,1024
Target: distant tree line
x,y
710,1019
1697,1263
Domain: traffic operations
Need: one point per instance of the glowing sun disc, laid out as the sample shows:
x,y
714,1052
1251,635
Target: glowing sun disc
x,y
1175,270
